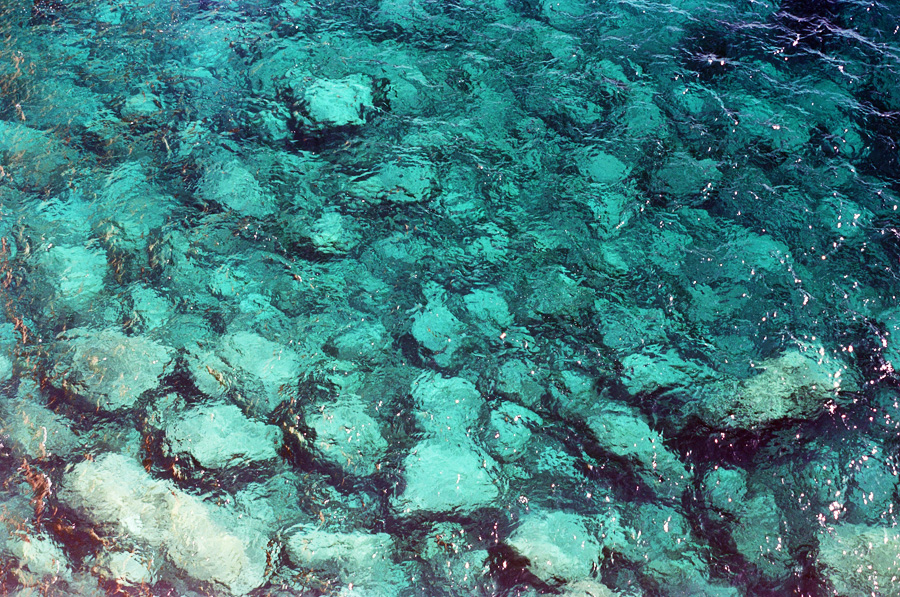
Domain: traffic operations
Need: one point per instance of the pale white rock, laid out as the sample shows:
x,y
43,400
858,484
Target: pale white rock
x,y
199,539
40,559
33,429
797,384
128,568
857,558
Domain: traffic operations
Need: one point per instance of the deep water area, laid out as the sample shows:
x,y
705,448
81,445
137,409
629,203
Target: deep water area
x,y
396,298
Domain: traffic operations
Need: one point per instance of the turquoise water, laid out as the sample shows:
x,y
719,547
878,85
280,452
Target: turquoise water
x,y
404,297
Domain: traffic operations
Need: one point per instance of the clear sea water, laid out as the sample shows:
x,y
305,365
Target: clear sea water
x,y
406,297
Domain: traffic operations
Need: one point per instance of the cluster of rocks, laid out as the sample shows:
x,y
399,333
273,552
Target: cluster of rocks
x,y
300,307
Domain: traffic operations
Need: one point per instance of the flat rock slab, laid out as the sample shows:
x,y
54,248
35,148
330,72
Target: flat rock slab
x,y
445,477
796,384
109,369
272,366
338,552
335,102
220,435
628,436
35,430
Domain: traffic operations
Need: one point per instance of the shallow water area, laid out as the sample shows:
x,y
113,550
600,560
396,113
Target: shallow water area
x,y
399,298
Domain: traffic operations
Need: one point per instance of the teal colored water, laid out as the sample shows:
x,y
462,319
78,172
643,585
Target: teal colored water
x,y
402,297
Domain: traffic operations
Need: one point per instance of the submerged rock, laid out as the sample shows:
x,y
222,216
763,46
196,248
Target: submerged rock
x,y
858,559
127,568
794,385
438,330
558,546
33,429
6,368
446,406
332,102
627,435
760,535
661,543
150,308
510,430
351,555
362,562
39,559
603,168
457,558
490,307
109,369
447,477
651,371
408,180
683,175
347,436
365,341
114,492
587,588
267,370
557,294
725,489
142,105
78,274
334,234
220,435
520,380
232,185
32,159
